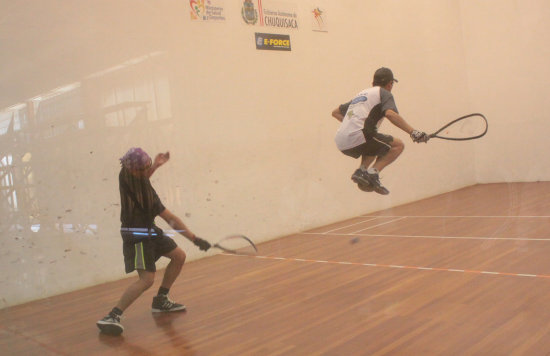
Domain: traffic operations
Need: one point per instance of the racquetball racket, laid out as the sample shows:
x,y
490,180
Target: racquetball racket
x,y
468,127
234,244
237,245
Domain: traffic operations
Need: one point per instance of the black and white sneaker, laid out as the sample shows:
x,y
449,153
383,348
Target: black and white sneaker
x,y
110,324
161,303
374,181
359,177
362,182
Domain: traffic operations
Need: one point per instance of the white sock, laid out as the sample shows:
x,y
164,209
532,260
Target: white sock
x,y
372,170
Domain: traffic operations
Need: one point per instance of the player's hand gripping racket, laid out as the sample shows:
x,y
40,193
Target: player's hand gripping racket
x,y
468,127
237,245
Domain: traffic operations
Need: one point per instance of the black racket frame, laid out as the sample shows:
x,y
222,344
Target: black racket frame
x,y
235,252
434,135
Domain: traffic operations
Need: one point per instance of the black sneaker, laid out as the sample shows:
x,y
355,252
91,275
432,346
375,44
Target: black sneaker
x,y
365,187
110,324
362,182
161,303
359,177
374,181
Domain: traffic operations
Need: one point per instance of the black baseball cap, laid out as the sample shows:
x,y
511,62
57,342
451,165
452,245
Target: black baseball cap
x,y
383,76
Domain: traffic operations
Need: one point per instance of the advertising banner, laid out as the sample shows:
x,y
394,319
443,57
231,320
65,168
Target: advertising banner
x,y
272,42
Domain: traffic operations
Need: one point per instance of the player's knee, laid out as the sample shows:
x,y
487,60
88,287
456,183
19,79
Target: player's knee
x,y
179,256
147,281
148,284
397,146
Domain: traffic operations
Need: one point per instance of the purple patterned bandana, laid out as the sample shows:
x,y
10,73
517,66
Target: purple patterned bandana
x,y
136,159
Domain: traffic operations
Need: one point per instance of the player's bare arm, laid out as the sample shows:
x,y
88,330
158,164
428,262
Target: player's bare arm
x,y
160,159
337,114
177,224
399,121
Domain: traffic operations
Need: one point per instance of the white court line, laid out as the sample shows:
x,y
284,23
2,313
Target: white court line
x,y
340,228
458,216
417,268
439,237
384,223
400,217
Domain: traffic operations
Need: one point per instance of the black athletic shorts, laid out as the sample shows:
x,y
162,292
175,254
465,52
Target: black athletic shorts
x,y
377,145
142,253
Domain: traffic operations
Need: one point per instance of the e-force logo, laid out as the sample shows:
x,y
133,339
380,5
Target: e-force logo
x,y
274,42
259,41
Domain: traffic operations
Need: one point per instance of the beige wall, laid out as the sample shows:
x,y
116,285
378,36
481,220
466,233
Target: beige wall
x,y
250,132
507,56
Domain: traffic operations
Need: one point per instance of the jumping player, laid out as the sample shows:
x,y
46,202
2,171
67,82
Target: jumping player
x,y
358,134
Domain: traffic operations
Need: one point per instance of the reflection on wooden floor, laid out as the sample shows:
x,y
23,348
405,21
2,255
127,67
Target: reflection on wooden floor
x,y
463,273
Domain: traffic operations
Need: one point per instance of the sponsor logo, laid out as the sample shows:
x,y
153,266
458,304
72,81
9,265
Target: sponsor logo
x,y
197,9
207,10
359,99
280,18
280,22
271,13
249,13
319,23
273,42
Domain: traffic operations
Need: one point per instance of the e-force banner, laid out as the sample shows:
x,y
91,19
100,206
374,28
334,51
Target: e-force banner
x,y
273,42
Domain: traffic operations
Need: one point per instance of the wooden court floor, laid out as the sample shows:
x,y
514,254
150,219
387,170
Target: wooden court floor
x,y
462,273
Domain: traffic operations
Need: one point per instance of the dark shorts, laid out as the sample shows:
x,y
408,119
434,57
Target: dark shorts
x,y
142,253
377,145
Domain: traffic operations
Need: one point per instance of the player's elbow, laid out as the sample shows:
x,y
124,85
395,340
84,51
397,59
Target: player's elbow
x,y
167,216
390,113
337,114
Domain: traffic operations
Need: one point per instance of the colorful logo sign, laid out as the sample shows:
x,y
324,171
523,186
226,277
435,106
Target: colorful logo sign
x,y
273,42
207,10
270,13
319,23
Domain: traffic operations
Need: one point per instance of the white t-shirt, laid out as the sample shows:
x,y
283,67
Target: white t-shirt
x,y
363,116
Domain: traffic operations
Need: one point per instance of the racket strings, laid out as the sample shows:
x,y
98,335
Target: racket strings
x,y
469,127
465,128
